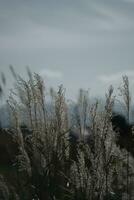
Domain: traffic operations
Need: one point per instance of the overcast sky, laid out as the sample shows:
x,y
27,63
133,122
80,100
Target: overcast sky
x,y
77,43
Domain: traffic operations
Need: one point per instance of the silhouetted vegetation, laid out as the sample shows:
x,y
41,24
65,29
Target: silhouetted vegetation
x,y
53,154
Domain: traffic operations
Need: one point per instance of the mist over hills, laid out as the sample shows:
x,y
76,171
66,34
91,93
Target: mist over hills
x,y
5,116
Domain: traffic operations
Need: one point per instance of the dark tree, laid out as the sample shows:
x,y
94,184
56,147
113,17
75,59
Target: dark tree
x,y
125,138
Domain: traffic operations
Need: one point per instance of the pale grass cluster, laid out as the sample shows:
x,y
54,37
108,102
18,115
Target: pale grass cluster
x,y
43,165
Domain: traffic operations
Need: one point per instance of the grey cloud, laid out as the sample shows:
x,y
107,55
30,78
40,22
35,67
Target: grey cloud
x,y
81,38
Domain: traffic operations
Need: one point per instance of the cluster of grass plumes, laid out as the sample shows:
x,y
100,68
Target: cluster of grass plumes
x,y
44,165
